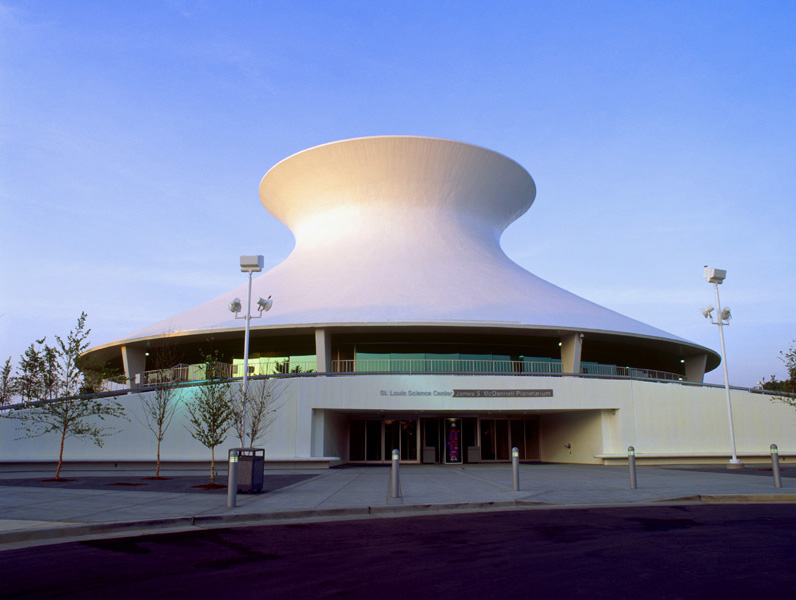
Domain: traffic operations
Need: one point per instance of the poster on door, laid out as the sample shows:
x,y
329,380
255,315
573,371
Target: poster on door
x,y
454,445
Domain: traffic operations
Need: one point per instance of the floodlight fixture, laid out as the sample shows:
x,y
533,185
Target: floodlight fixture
x,y
714,275
235,306
251,264
265,304
726,315
707,311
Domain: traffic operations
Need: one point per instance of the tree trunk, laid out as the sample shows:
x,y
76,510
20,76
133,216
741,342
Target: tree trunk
x,y
157,468
60,457
212,465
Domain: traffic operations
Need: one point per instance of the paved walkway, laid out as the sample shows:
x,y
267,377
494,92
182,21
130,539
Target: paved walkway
x,y
31,515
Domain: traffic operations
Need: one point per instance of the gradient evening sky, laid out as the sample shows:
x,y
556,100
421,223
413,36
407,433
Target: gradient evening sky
x,y
661,136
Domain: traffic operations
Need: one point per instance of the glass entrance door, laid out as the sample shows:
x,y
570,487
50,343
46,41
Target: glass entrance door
x,y
498,436
432,450
400,435
453,441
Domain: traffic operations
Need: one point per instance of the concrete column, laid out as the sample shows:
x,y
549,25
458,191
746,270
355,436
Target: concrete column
x,y
323,351
318,430
571,344
304,423
695,368
134,360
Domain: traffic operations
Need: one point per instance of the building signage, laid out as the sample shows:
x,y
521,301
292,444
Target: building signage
x,y
538,393
502,393
416,393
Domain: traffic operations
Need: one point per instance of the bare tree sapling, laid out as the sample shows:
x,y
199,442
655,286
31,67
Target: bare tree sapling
x,y
210,413
160,405
259,406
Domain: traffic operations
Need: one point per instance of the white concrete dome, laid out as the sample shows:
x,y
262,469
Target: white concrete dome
x,y
405,231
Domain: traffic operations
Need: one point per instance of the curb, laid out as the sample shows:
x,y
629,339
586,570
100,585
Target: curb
x,y
101,529
740,498
731,499
152,526
84,529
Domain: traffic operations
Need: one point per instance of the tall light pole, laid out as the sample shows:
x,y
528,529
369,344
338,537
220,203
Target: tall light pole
x,y
716,276
249,264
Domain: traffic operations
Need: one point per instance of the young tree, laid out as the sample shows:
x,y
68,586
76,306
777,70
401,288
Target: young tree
x,y
28,382
210,412
49,373
788,357
6,383
259,407
160,405
71,415
69,368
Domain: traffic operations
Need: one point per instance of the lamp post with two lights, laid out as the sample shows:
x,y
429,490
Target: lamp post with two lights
x,y
252,465
716,276
249,264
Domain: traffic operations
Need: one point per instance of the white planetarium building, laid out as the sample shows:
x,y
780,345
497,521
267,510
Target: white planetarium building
x,y
406,326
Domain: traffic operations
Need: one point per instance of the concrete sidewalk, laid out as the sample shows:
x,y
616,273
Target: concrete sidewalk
x,y
32,515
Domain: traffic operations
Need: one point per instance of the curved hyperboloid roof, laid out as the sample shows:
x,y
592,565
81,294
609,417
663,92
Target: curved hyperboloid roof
x,y
401,230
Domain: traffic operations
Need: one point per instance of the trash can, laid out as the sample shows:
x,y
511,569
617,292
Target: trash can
x,y
251,468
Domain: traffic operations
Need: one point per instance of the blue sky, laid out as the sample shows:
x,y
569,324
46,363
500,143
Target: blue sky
x,y
661,136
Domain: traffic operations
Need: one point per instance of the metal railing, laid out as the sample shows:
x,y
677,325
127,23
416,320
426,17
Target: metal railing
x,y
498,367
632,372
409,366
183,373
263,367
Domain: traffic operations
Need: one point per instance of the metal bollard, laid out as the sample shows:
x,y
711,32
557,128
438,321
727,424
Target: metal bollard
x,y
631,463
232,479
775,466
395,480
515,468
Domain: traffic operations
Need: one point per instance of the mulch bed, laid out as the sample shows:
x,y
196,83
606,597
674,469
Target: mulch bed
x,y
194,484
210,486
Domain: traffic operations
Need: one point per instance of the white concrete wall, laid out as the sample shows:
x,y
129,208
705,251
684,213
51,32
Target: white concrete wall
x,y
336,435
600,418
571,437
671,418
135,442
